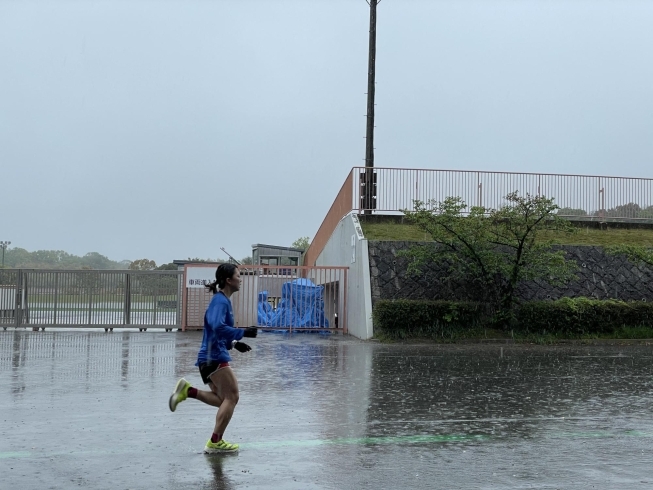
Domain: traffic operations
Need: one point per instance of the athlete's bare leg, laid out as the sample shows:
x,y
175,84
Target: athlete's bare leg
x,y
226,389
210,397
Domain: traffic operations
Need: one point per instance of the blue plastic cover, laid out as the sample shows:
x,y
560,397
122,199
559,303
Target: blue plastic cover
x,y
301,306
264,308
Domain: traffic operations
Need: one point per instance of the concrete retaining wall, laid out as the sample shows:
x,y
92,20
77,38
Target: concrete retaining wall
x,y
600,276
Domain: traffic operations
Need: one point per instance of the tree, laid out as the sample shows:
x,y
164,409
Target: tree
x,y
96,261
635,253
142,265
167,267
629,210
246,260
571,212
302,243
20,258
493,250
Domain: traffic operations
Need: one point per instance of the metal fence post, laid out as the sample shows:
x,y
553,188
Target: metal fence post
x,y
128,299
90,298
480,193
180,295
18,317
56,297
155,296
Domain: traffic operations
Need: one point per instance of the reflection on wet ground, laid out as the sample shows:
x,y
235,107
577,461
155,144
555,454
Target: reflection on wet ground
x,y
89,409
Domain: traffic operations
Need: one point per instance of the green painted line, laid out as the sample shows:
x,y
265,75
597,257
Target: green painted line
x,y
638,433
12,455
360,441
275,444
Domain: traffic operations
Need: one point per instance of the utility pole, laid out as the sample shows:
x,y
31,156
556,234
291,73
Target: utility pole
x,y
368,182
371,80
4,245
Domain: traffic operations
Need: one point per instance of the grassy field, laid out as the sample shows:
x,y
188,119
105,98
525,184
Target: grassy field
x,y
584,236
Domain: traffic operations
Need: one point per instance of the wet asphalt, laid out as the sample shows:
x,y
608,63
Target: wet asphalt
x,y
88,409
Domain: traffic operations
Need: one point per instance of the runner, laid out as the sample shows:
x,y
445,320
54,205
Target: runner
x,y
213,359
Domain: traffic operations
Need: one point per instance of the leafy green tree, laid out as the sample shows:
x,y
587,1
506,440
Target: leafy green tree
x,y
97,261
19,258
635,253
571,212
493,250
167,267
142,265
302,243
629,210
246,260
197,259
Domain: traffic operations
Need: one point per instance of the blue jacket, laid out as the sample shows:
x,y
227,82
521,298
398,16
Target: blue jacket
x,y
219,331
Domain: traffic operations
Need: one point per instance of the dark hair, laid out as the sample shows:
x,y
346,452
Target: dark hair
x,y
222,273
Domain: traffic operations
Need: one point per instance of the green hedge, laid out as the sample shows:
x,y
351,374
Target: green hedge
x,y
400,319
578,316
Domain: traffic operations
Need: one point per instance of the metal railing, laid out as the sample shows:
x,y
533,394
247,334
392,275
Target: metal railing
x,y
391,190
592,197
81,298
275,297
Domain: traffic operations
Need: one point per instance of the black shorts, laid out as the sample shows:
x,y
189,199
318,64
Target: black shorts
x,y
207,369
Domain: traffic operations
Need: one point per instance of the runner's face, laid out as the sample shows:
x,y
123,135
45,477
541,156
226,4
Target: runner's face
x,y
234,281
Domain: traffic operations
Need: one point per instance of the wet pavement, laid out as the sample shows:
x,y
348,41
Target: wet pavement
x,y
89,410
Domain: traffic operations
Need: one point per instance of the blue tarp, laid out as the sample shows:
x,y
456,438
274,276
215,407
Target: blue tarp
x,y
264,308
301,306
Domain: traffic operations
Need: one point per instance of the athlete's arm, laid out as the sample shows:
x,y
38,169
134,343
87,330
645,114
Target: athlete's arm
x,y
216,317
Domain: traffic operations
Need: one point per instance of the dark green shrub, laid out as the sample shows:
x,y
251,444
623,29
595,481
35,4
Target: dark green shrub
x,y
399,319
579,316
567,317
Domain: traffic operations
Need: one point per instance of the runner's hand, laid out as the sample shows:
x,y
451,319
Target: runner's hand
x,y
250,332
242,347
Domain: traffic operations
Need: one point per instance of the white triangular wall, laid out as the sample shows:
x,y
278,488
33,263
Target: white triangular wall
x,y
348,247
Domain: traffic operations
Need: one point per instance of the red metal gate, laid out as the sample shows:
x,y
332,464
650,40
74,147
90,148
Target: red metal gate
x,y
273,297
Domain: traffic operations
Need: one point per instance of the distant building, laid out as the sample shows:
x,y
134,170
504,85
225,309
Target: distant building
x,y
276,255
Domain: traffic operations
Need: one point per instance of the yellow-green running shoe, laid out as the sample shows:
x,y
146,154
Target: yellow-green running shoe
x,y
179,395
221,446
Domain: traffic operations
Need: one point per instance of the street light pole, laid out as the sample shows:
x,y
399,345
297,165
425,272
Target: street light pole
x,y
4,245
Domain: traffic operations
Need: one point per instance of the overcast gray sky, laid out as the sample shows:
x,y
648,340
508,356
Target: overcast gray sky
x,y
169,129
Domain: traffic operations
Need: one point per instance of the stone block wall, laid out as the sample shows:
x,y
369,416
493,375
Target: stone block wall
x,y
599,276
